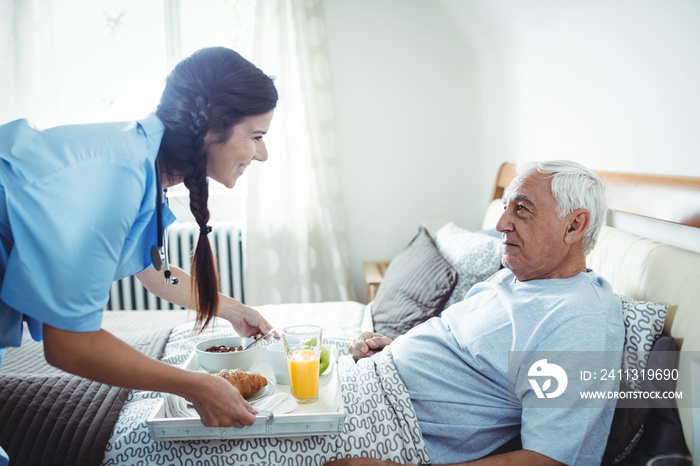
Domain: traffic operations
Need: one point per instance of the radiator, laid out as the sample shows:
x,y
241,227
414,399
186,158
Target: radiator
x,y
227,246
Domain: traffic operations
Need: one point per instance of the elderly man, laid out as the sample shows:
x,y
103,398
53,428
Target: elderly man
x,y
455,367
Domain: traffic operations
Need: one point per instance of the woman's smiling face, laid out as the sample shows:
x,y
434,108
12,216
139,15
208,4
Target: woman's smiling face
x,y
227,159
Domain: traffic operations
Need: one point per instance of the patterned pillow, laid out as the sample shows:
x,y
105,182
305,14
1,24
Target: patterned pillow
x,y
644,323
475,256
414,288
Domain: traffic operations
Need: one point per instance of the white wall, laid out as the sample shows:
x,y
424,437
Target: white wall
x,y
615,84
610,83
403,91
432,95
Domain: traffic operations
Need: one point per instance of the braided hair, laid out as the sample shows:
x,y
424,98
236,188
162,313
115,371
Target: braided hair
x,y
210,91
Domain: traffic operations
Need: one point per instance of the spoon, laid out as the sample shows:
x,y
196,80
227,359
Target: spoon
x,y
254,342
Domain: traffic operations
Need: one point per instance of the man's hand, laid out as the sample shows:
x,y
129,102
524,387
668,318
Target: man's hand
x,y
360,462
368,343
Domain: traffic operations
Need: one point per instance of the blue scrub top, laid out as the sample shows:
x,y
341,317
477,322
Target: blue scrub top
x,y
77,211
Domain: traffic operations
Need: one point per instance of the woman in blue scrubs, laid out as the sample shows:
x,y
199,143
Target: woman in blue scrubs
x,y
82,206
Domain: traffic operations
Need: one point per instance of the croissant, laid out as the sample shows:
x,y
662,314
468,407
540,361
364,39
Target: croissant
x,y
246,382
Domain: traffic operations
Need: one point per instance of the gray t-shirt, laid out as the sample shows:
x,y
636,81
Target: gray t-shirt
x,y
455,367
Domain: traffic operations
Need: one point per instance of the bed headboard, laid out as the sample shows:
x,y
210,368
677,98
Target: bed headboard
x,y
669,198
644,267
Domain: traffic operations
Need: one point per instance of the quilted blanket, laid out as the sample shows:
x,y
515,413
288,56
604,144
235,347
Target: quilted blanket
x,y
379,422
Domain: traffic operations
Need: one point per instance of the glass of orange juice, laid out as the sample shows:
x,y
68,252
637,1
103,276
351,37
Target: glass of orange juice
x,y
303,346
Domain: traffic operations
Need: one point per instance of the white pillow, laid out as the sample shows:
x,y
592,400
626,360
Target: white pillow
x,y
493,214
475,256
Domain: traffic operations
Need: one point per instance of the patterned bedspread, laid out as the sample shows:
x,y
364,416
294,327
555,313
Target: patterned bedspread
x,y
380,421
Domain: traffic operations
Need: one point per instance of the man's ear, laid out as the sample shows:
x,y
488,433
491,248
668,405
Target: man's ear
x,y
576,226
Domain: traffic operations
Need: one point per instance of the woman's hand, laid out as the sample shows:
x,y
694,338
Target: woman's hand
x,y
220,404
367,343
245,320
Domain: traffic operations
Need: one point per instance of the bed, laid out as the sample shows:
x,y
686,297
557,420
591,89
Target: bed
x,y
648,251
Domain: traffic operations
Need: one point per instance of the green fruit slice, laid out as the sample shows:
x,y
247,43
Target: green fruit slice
x,y
325,360
310,342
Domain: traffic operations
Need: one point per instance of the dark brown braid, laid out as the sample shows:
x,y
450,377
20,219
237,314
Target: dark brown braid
x,y
203,263
210,91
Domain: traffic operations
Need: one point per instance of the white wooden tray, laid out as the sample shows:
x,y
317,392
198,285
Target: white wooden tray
x,y
324,417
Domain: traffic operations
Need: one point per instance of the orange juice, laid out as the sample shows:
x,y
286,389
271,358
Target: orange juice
x,y
303,375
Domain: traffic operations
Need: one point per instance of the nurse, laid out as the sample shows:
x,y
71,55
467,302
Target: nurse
x,y
83,205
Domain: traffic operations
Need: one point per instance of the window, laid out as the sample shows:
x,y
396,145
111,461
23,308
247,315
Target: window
x,y
107,60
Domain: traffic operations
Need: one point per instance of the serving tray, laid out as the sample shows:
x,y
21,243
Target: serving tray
x,y
324,417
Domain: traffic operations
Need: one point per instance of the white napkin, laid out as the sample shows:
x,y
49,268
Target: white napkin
x,y
277,403
176,406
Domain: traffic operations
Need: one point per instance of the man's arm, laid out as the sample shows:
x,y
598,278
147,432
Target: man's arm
x,y
520,457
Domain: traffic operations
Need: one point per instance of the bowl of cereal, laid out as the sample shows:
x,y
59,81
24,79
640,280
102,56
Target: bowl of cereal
x,y
220,353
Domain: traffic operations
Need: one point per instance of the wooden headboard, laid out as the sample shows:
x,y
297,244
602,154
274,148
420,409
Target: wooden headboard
x,y
673,199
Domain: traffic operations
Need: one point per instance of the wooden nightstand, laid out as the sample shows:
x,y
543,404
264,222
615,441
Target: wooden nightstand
x,y
374,273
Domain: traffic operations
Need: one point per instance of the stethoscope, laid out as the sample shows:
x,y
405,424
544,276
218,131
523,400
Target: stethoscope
x,y
159,254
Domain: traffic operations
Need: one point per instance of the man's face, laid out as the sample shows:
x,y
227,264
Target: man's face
x,y
533,234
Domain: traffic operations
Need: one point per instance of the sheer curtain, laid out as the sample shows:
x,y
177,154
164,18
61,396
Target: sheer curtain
x,y
295,249
26,54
